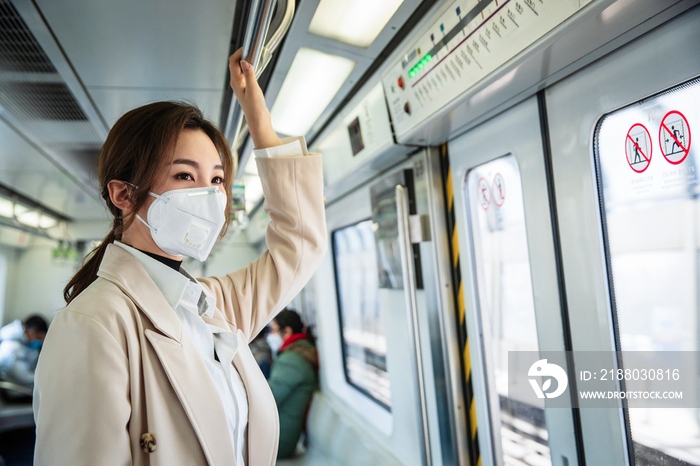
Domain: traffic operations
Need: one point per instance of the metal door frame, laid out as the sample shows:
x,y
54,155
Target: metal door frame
x,y
525,143
433,330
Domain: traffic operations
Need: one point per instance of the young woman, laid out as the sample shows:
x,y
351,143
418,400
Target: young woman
x,y
146,365
293,377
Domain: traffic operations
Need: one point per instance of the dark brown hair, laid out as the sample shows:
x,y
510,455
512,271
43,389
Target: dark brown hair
x,y
136,149
289,318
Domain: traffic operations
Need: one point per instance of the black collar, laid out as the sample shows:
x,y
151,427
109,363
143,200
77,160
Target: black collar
x,y
172,263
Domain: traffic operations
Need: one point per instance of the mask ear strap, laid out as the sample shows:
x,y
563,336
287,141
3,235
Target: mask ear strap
x,y
157,196
144,222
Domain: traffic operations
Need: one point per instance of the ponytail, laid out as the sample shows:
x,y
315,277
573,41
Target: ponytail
x,y
88,272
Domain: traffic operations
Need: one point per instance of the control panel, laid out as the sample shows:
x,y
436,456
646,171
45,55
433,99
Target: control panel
x,y
467,41
364,132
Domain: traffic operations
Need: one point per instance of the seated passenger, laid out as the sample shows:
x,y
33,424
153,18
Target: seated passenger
x,y
262,352
293,377
19,349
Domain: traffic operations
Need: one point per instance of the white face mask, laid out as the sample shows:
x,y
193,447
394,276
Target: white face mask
x,y
186,222
275,342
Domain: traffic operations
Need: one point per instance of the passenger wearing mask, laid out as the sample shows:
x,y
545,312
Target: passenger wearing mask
x,y
19,349
293,377
148,365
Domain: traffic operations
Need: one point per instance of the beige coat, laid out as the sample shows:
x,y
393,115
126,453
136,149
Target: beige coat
x,y
116,363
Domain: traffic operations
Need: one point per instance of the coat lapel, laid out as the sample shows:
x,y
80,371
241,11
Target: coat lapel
x,y
198,395
184,367
121,268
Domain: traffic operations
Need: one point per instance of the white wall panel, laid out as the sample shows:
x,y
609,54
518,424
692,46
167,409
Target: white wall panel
x,y
39,283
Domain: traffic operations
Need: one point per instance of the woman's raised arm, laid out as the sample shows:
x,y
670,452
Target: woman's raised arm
x,y
296,236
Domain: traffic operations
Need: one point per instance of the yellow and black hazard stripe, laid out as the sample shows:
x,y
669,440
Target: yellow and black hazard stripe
x,y
466,368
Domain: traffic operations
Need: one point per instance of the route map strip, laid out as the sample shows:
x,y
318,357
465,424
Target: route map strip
x,y
456,30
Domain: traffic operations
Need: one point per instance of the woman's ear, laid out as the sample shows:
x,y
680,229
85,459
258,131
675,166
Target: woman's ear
x,y
120,195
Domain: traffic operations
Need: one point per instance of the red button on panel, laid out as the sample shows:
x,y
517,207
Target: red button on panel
x,y
400,82
407,108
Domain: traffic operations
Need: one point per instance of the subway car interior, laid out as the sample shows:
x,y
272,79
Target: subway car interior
x,y
502,285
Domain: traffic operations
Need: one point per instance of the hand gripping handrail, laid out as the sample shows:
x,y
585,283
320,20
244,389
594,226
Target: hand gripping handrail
x,y
258,54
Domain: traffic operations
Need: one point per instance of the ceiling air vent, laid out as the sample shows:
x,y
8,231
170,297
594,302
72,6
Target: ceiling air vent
x,y
38,94
19,50
40,101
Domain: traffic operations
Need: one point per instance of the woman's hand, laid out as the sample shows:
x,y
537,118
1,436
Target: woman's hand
x,y
252,101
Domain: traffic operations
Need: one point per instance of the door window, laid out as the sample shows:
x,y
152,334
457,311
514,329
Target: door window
x,y
506,311
647,168
362,332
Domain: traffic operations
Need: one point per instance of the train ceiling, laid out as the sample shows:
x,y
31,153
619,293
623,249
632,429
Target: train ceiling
x,y
68,70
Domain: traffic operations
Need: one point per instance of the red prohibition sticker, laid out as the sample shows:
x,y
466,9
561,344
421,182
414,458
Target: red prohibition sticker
x,y
484,193
638,147
674,137
499,190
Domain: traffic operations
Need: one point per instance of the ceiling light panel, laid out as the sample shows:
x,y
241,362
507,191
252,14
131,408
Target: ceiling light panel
x,y
356,22
312,81
9,209
6,208
47,222
30,218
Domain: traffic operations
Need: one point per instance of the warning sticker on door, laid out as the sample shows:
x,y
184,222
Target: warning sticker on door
x,y
674,137
638,147
499,190
484,193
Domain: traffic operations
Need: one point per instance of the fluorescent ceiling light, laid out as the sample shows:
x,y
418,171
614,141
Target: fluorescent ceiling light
x,y
312,81
34,219
47,222
6,208
355,22
30,218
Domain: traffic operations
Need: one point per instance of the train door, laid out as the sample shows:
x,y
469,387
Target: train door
x,y
510,287
394,369
623,137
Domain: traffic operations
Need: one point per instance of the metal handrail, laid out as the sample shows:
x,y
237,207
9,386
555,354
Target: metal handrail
x,y
258,22
276,38
409,286
257,54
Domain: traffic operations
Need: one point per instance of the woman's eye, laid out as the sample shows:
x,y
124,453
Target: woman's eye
x,y
217,180
184,176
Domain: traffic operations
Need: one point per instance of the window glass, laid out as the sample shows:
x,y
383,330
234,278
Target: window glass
x,y
647,166
362,332
506,310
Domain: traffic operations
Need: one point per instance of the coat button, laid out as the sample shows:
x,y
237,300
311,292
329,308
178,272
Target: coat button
x,y
148,442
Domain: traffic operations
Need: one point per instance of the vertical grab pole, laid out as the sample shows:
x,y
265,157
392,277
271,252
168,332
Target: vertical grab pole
x,y
407,267
258,23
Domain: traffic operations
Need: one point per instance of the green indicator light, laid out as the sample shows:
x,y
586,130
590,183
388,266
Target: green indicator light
x,y
419,66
